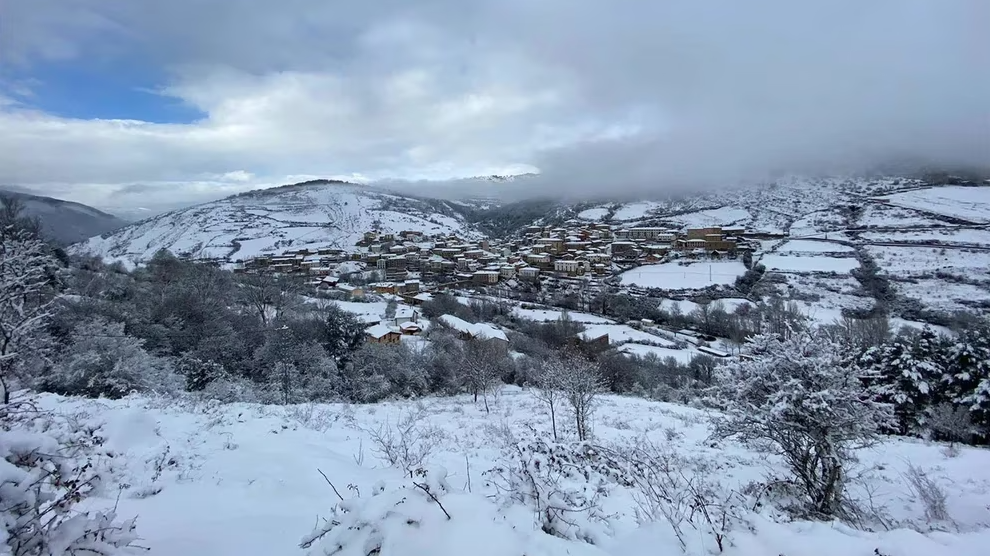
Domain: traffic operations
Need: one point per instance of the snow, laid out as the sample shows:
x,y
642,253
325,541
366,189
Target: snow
x,y
675,276
966,203
476,330
951,236
636,211
724,216
550,315
593,214
788,263
887,216
245,480
621,333
817,223
683,356
808,246
927,260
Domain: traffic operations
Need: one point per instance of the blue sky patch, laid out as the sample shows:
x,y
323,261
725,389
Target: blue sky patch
x,y
74,90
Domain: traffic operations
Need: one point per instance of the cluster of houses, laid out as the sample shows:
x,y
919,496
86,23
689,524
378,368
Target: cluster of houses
x,y
406,323
573,249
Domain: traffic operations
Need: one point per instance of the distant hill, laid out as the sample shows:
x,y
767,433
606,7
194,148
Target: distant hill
x,y
65,222
318,213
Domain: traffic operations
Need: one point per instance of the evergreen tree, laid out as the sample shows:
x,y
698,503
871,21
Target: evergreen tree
x,y
907,372
343,334
967,376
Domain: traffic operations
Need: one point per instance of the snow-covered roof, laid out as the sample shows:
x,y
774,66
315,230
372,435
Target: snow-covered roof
x,y
379,330
476,330
423,296
404,311
368,319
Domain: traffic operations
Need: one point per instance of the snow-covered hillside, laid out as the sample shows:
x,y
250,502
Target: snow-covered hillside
x,y
770,207
312,214
243,479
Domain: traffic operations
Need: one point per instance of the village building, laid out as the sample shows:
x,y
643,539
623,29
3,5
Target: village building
x,y
353,291
486,277
404,314
381,334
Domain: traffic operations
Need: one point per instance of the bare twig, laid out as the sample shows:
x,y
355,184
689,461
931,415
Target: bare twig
x,y
331,484
426,489
467,464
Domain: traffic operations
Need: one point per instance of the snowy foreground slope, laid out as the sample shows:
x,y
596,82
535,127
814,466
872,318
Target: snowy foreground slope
x,y
209,479
316,214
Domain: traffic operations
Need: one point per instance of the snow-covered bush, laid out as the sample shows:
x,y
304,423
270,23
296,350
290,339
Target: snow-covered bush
x,y
103,361
802,400
27,280
46,473
198,373
562,485
377,372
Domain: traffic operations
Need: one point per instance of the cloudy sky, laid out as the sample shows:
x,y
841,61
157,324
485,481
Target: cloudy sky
x,y
126,103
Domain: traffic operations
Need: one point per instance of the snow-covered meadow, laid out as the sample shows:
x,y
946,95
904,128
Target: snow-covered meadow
x,y
966,203
243,479
677,276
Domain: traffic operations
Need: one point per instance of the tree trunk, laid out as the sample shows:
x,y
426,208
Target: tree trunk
x,y
553,422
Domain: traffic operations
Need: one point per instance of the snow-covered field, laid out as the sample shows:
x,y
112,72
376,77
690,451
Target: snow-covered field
x,y
808,263
593,214
635,211
683,356
895,260
808,246
247,480
967,203
724,216
950,236
676,276
940,294
817,222
549,315
886,216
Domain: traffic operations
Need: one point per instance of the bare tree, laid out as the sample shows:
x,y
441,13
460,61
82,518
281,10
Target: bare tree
x,y
548,380
580,383
266,294
483,364
26,300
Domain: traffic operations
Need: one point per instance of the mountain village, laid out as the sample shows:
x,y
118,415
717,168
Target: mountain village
x,y
574,250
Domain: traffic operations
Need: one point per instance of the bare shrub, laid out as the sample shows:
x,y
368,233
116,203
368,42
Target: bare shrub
x,y
312,416
930,493
664,492
951,422
407,443
364,525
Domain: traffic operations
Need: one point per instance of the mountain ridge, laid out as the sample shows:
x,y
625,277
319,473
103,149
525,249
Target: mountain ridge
x,y
65,222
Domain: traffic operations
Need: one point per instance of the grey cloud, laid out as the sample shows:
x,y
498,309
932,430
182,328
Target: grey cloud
x,y
631,95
